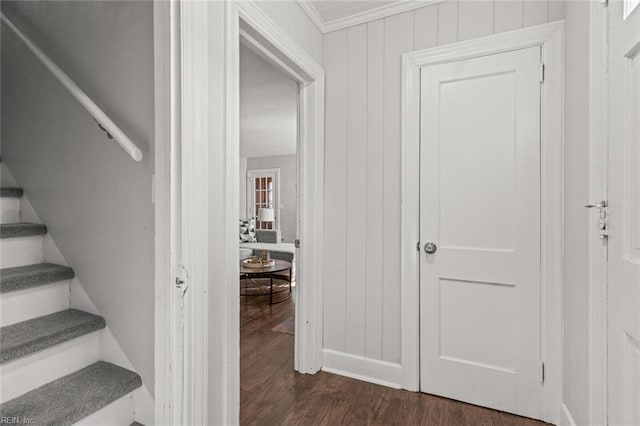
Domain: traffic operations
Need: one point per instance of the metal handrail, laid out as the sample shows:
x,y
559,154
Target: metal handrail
x,y
104,122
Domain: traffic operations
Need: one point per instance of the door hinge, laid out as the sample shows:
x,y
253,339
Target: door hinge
x,y
182,279
296,243
542,70
542,372
603,218
418,247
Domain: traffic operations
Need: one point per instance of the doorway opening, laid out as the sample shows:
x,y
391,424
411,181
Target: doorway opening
x,y
280,142
268,207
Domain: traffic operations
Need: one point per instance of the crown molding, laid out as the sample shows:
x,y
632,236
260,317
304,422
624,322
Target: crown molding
x,y
362,17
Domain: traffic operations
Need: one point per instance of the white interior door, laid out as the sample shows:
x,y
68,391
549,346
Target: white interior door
x,y
624,213
480,205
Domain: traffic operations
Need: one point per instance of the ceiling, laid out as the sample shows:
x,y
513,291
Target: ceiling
x,y
331,15
268,108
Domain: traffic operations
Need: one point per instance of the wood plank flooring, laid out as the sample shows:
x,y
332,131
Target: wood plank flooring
x,y
271,393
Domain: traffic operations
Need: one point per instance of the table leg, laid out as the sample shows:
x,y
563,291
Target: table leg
x,y
271,291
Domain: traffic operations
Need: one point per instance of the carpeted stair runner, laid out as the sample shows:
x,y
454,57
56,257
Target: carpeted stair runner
x,y
15,230
27,337
23,277
71,398
11,192
68,399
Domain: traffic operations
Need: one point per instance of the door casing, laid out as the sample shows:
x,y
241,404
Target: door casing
x,y
550,37
209,41
598,172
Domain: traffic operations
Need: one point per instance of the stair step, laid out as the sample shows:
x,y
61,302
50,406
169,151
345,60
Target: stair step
x,y
23,305
10,210
11,192
71,398
21,251
27,337
23,277
15,230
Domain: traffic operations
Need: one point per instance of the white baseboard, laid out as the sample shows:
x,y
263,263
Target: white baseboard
x,y
361,368
566,417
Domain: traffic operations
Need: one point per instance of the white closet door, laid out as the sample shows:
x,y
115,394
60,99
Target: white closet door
x,y
480,206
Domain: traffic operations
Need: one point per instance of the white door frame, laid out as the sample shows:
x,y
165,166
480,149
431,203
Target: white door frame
x,y
598,176
210,35
550,37
166,75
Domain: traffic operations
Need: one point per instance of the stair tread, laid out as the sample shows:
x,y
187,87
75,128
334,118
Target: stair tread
x,y
71,398
22,229
23,277
27,337
11,192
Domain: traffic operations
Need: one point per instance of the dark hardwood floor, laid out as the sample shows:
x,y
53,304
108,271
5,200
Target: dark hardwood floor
x,y
271,393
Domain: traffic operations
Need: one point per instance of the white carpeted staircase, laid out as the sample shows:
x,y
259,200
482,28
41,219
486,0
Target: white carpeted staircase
x,y
51,371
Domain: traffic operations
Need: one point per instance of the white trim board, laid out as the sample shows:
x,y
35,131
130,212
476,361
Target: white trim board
x,y
550,37
167,400
379,12
361,368
567,417
598,172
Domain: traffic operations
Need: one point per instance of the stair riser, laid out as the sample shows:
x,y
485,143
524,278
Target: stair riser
x,y
10,208
35,302
20,251
121,412
30,372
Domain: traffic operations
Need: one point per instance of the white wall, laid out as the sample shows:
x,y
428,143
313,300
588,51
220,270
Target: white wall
x,y
95,200
288,165
268,108
362,157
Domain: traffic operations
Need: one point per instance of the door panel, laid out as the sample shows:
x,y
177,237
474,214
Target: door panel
x,y
624,212
480,204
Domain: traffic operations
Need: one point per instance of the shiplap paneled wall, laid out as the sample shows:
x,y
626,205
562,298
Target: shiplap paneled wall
x,y
291,18
362,160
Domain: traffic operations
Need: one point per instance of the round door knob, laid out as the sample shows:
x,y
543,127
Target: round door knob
x,y
430,247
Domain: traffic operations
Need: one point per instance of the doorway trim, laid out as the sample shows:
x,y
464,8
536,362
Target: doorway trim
x,y
598,190
210,35
167,400
550,37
